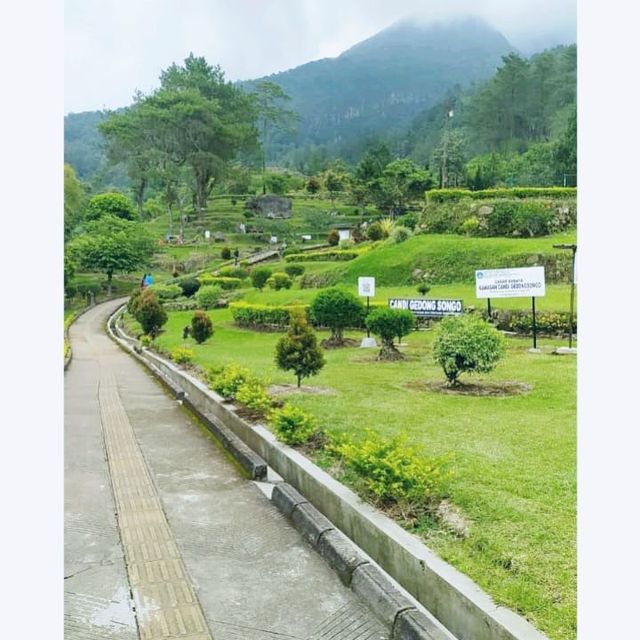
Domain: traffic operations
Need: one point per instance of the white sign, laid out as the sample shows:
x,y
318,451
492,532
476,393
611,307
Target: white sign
x,y
207,234
527,282
367,287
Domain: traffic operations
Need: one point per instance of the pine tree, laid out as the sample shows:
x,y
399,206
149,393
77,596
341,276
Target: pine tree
x,y
298,349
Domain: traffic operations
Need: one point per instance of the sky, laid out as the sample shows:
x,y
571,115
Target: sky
x,y
114,47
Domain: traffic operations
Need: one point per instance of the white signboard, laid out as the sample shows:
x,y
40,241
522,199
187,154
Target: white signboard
x,y
207,234
367,287
527,282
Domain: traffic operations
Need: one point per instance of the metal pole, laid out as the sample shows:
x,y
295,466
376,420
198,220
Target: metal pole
x,y
368,332
573,286
489,309
533,309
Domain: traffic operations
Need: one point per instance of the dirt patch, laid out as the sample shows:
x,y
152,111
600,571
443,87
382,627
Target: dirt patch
x,y
292,389
452,519
495,389
330,343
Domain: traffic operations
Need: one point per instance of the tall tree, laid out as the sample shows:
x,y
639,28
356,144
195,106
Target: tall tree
x,y
270,101
74,200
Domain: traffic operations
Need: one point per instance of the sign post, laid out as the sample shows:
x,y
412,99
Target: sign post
x,y
512,283
367,289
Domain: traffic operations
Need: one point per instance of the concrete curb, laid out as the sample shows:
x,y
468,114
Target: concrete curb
x,y
451,597
253,464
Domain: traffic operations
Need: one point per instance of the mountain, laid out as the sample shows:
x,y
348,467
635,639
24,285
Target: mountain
x,y
380,84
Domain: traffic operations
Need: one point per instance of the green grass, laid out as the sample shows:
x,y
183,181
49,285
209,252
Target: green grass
x,y
514,457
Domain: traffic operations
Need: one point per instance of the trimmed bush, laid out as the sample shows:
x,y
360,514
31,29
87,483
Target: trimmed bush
x,y
392,472
337,309
229,380
201,327
400,234
470,227
259,277
254,397
166,291
390,324
189,286
453,195
261,316
292,425
207,297
375,232
182,355
150,313
225,254
234,272
467,344
298,350
333,238
228,284
323,256
293,270
280,281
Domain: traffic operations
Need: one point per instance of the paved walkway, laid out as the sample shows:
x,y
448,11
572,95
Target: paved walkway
x,y
164,538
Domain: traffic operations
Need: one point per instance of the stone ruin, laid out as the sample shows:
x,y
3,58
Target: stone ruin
x,y
269,206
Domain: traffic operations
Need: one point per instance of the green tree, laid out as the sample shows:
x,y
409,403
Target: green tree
x,y
467,344
259,277
74,197
270,101
298,350
338,310
110,245
114,204
390,324
403,181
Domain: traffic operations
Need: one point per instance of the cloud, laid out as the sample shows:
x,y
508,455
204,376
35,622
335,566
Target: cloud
x,y
114,47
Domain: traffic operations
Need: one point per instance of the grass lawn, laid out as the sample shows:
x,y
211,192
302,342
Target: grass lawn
x,y
514,458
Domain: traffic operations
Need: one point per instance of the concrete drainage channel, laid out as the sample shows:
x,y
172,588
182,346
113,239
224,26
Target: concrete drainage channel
x,y
410,589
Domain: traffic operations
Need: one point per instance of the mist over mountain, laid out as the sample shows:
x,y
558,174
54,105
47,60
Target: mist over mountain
x,y
383,82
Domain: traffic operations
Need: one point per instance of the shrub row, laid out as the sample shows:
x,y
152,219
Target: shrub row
x,y
449,195
547,322
262,316
322,256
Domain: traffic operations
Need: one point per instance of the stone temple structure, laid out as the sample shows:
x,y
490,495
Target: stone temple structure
x,y
270,206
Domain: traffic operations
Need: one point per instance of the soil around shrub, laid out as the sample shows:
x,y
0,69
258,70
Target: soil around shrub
x,y
502,389
292,389
330,343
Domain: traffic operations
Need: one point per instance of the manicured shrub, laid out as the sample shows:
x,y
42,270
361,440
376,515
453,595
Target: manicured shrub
x,y
189,286
134,300
333,238
466,344
470,227
322,256
532,219
115,204
453,195
374,231
293,270
229,380
400,234
298,350
207,297
390,324
254,397
292,425
206,279
393,472
146,341
201,327
280,281
259,277
234,272
261,316
228,284
423,288
182,355
150,313
500,220
225,254
166,291
337,309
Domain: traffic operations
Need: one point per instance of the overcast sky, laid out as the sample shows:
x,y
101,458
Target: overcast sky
x,y
114,47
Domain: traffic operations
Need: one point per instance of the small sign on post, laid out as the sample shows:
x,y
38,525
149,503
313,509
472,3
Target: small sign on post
x,y
367,289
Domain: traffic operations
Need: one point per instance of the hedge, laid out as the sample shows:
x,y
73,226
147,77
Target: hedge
x,y
322,256
547,322
449,195
262,316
